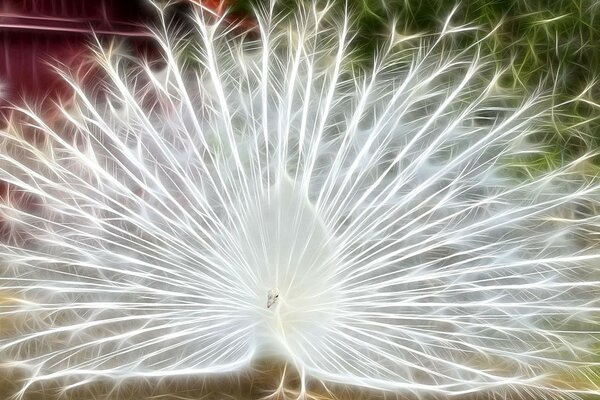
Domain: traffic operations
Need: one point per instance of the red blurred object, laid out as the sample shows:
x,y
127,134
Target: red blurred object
x,y
37,33
242,23
217,6
34,33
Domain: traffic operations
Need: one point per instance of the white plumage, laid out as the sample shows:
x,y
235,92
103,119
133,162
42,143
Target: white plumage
x,y
377,203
